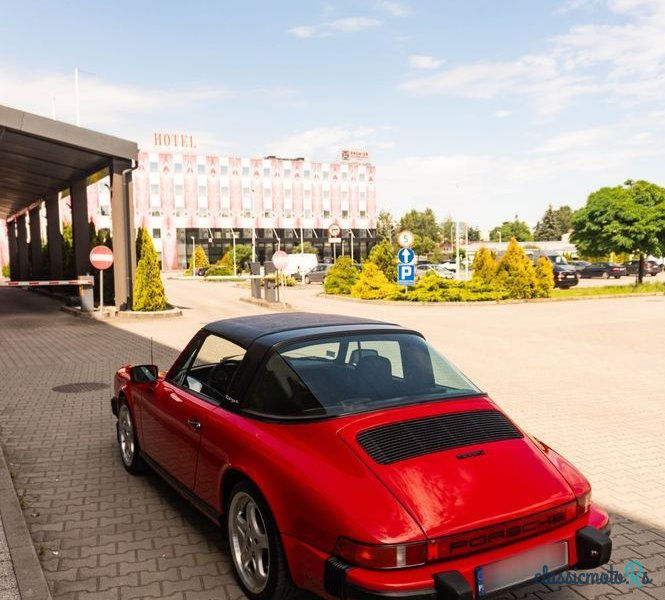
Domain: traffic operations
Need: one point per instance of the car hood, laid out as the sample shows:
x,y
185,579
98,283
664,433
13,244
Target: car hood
x,y
489,472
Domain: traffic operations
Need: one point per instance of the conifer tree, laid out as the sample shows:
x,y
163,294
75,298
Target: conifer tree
x,y
372,284
149,292
341,277
384,256
544,278
516,272
484,266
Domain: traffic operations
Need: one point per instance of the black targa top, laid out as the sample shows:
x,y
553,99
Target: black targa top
x,y
245,330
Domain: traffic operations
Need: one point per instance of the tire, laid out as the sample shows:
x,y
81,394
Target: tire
x,y
605,275
130,451
617,277
259,560
307,279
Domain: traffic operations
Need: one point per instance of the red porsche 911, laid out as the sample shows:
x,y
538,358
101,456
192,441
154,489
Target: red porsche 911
x,y
347,457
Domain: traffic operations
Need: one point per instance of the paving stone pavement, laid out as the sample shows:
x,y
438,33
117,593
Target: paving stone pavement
x,y
101,533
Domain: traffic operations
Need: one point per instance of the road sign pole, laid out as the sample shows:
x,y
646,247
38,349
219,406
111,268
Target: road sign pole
x,y
101,293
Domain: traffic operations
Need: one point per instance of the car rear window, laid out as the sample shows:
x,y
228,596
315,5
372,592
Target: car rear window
x,y
354,373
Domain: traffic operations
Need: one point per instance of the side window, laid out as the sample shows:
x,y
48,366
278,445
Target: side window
x,y
211,367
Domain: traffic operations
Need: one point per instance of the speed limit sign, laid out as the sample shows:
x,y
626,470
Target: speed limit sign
x,y
405,238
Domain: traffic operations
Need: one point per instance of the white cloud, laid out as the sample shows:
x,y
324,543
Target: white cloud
x,y
327,28
303,31
104,105
624,62
573,140
396,9
502,114
422,61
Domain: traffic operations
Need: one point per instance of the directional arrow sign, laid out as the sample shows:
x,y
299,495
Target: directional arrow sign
x,y
406,255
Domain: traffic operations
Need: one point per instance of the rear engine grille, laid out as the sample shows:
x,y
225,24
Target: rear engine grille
x,y
398,441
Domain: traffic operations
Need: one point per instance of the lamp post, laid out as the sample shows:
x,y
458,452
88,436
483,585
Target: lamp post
x,y
193,256
302,251
235,268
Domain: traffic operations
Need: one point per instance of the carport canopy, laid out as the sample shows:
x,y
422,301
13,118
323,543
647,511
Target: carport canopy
x,y
40,157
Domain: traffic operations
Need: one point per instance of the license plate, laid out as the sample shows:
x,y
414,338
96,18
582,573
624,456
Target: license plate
x,y
520,568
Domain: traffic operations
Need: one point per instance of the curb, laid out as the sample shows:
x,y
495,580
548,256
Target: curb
x,y
344,298
27,569
285,306
112,313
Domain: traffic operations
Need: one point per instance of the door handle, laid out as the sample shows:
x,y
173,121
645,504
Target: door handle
x,y
195,424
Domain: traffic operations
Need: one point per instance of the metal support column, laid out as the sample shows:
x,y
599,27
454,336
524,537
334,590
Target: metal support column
x,y
22,238
13,250
79,195
122,230
54,236
36,243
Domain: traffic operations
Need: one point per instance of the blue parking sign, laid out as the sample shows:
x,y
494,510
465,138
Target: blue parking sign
x,y
406,274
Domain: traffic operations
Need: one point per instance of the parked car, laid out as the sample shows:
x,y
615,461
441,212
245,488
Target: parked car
x,y
604,270
579,264
439,270
318,274
650,267
565,275
347,457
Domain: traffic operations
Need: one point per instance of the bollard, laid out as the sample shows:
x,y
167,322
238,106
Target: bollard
x,y
271,289
86,293
255,269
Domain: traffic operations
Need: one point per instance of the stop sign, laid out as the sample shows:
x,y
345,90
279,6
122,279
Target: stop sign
x,y
280,259
101,257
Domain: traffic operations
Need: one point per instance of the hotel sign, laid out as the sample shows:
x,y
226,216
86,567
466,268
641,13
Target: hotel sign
x,y
173,140
360,156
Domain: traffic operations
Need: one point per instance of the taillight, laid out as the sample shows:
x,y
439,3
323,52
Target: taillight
x,y
583,503
381,556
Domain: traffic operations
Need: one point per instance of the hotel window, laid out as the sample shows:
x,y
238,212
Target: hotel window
x,y
345,175
326,214
363,214
203,190
225,191
287,194
345,214
326,175
154,189
267,193
153,166
246,192
226,211
361,177
307,173
105,210
201,169
155,212
180,211
245,171
223,170
177,167
287,173
156,234
178,191
288,213
266,171
202,211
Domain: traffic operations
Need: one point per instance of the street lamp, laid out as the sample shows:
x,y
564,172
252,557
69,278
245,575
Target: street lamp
x,y
193,256
235,269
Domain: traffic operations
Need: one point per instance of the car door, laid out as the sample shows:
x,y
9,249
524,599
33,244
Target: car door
x,y
176,413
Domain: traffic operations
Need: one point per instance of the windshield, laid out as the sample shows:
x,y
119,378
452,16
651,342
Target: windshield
x,y
355,373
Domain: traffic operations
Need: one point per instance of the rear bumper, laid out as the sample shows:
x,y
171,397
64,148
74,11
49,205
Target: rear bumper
x,y
589,546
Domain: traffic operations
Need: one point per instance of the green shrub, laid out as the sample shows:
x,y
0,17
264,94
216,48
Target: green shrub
x,y
219,270
516,273
544,278
5,272
484,266
432,288
372,284
148,287
341,277
287,281
384,256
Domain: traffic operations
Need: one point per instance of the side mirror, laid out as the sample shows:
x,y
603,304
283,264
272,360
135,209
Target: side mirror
x,y
143,373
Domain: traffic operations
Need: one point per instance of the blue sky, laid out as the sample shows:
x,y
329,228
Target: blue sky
x,y
478,109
